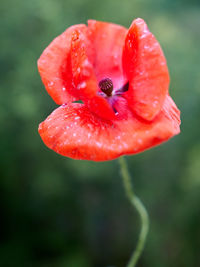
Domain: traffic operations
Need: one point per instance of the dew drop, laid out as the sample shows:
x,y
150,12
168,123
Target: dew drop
x,y
50,84
98,144
81,85
155,103
86,63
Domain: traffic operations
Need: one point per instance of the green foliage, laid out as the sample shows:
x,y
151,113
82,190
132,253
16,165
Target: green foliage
x,y
60,212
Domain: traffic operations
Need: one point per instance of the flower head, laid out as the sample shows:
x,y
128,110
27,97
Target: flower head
x,y
122,80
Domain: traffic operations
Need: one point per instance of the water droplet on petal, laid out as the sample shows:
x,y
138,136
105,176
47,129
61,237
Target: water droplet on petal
x,y
50,84
81,85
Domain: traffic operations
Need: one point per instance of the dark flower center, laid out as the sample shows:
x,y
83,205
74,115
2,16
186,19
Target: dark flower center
x,y
107,90
106,86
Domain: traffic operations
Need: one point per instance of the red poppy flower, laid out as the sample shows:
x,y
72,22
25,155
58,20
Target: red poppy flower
x,y
121,78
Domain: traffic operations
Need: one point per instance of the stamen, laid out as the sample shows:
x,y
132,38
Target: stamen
x,y
106,86
121,90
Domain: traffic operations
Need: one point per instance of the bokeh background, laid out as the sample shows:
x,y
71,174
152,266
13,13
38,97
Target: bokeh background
x,y
57,212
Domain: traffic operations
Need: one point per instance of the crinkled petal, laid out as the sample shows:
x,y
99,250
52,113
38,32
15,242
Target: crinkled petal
x,y
83,75
84,78
54,66
145,65
108,40
73,131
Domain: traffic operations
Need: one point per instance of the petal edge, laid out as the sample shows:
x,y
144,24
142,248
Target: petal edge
x,y
73,131
145,65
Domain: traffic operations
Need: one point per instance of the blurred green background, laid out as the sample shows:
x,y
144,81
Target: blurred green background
x,y
59,212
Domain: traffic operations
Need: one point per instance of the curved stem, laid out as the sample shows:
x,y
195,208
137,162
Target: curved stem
x,y
136,202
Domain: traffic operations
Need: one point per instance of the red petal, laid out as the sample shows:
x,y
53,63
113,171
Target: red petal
x,y
72,131
84,78
55,68
108,40
145,65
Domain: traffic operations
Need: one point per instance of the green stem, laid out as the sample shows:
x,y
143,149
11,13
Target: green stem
x,y
136,202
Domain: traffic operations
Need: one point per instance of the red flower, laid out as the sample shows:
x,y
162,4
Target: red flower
x,y
122,80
